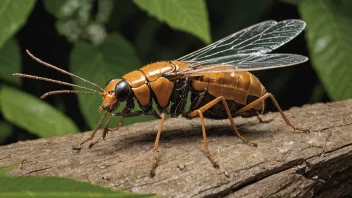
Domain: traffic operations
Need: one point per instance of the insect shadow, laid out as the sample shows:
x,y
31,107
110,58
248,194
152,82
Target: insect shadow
x,y
146,137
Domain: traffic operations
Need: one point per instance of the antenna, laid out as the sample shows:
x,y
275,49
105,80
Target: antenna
x,y
61,70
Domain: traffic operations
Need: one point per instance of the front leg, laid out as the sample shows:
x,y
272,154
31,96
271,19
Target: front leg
x,y
126,112
124,115
105,131
92,134
118,125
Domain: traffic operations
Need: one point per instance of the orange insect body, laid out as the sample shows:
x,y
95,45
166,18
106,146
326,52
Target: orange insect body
x,y
149,80
233,86
217,77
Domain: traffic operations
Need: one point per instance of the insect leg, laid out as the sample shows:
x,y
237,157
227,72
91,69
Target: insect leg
x,y
215,164
118,125
155,163
254,103
215,101
105,131
106,127
261,120
92,134
124,115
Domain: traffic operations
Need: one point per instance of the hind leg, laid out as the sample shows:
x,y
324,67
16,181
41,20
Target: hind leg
x,y
207,106
261,99
214,102
205,144
261,120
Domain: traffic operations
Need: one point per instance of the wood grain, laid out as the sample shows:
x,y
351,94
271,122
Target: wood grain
x,y
285,163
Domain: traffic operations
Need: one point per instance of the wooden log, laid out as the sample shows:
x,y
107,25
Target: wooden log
x,y
318,164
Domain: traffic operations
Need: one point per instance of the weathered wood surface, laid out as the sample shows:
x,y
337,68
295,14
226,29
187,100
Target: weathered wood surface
x,y
285,164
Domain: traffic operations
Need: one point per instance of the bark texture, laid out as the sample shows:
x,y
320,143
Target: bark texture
x,y
285,164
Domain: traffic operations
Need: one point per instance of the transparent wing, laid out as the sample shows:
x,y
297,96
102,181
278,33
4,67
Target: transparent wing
x,y
244,62
246,50
257,39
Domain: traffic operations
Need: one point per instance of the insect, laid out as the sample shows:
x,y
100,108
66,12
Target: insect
x,y
217,77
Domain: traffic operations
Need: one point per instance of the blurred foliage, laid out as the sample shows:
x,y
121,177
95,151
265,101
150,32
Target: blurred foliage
x,y
104,39
76,22
36,116
46,186
10,61
6,131
12,17
329,35
192,17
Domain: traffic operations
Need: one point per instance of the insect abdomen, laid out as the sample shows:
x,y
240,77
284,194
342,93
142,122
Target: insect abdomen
x,y
234,86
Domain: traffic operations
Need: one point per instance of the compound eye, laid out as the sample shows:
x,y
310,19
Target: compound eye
x,y
122,90
110,81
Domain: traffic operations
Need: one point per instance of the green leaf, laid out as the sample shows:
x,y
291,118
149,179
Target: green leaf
x,y
113,59
34,115
6,130
329,36
184,15
13,15
45,186
10,61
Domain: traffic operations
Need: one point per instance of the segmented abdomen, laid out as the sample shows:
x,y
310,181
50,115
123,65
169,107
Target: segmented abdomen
x,y
240,87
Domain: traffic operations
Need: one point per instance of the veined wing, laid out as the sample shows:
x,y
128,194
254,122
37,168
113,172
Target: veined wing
x,y
257,39
244,62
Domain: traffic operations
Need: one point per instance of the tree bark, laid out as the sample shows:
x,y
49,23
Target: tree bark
x,y
285,163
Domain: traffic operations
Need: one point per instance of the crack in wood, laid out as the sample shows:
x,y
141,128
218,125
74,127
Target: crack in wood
x,y
264,175
37,170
